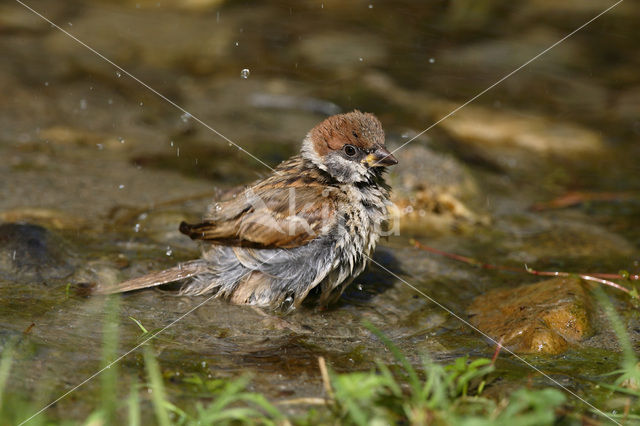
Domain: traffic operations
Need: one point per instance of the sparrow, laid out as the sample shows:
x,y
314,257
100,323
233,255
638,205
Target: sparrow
x,y
312,224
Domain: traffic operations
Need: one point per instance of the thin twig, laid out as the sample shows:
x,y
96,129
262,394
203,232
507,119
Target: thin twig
x,y
325,378
597,277
497,352
578,197
303,401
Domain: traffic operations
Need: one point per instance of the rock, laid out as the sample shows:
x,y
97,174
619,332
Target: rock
x,y
498,130
49,218
432,187
150,50
162,227
16,18
30,253
190,5
339,51
546,317
570,237
103,272
627,105
495,58
504,139
547,9
70,136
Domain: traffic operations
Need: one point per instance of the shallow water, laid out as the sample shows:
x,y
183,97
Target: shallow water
x,y
104,170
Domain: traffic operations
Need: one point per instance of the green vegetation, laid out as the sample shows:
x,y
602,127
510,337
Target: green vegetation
x,y
435,394
401,393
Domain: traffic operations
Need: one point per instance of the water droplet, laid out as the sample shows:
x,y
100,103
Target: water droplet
x,y
432,60
370,6
141,103
360,287
100,146
245,73
204,364
169,251
120,139
120,186
83,104
237,44
136,228
70,24
110,101
218,207
46,83
118,74
143,216
360,59
178,152
171,143
185,117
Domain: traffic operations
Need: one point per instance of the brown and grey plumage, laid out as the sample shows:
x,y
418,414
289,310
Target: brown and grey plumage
x,y
312,224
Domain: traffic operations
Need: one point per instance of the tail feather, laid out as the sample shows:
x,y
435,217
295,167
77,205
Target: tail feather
x,y
177,273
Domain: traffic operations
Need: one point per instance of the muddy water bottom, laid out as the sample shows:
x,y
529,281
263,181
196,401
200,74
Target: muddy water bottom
x,y
96,231
60,327
97,173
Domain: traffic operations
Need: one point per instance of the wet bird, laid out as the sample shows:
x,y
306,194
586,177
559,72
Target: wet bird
x,y
312,224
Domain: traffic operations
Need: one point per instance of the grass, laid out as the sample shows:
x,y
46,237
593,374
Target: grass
x,y
435,394
401,393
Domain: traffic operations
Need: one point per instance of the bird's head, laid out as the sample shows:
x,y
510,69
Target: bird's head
x,y
350,147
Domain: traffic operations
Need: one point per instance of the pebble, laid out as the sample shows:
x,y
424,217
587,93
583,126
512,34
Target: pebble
x,y
32,254
546,317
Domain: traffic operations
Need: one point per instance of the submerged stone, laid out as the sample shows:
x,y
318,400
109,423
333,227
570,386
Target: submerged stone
x,y
30,253
509,130
546,317
433,190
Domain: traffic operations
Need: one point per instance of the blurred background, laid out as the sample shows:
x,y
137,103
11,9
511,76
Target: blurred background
x,y
98,171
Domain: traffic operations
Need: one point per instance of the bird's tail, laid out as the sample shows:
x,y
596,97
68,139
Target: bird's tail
x,y
177,273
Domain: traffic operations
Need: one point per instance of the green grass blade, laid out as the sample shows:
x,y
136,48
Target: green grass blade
x,y
398,355
157,387
134,406
5,370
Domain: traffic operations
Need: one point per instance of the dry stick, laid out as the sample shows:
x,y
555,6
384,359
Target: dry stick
x,y
578,197
325,378
497,351
303,401
599,278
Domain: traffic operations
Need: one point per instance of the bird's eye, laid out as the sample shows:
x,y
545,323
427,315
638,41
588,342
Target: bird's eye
x,y
350,150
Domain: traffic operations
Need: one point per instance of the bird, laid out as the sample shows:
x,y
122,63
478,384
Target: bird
x,y
312,224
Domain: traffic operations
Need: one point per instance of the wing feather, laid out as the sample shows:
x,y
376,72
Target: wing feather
x,y
269,214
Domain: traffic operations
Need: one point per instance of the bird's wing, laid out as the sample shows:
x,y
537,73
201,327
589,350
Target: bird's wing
x,y
269,215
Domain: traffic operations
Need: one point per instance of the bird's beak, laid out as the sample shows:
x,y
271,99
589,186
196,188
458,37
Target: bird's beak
x,y
381,157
